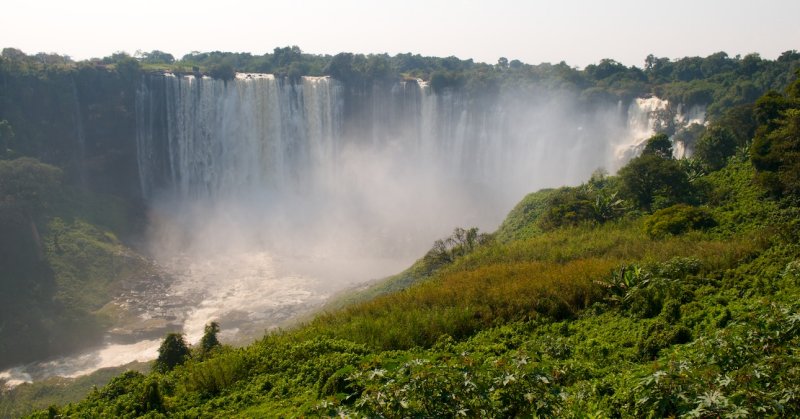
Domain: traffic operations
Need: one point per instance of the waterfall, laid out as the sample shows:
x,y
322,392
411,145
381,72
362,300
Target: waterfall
x,y
648,116
204,138
201,137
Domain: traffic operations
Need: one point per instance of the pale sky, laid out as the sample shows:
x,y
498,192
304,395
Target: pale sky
x,y
578,32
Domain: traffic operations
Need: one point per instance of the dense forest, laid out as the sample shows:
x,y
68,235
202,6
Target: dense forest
x,y
669,288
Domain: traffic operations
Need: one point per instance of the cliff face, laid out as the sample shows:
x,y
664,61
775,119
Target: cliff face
x,y
80,119
131,134
199,137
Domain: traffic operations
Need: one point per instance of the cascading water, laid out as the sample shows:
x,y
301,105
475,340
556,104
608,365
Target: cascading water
x,y
648,116
200,137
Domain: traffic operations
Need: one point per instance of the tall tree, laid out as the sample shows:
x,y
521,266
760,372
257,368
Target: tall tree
x,y
173,352
209,340
654,182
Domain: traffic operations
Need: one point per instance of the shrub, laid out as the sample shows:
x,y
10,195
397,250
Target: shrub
x,y
460,243
583,204
215,374
568,206
678,219
661,335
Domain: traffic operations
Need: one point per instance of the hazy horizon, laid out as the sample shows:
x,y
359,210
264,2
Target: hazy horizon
x,y
579,33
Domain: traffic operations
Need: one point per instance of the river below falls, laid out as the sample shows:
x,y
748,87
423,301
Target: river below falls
x,y
247,293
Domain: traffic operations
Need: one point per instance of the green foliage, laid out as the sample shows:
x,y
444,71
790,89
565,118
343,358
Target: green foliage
x,y
568,207
150,398
715,147
209,340
155,57
26,186
661,335
653,182
26,280
211,376
442,80
59,270
590,203
523,220
776,147
173,352
678,219
658,145
222,71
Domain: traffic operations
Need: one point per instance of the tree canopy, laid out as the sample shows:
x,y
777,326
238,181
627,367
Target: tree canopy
x,y
173,352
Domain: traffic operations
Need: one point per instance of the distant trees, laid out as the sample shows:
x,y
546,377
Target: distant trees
x,y
606,68
155,57
353,69
127,67
441,80
502,63
717,81
222,71
340,67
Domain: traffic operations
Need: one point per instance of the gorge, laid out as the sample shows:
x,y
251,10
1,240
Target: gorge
x,y
266,195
